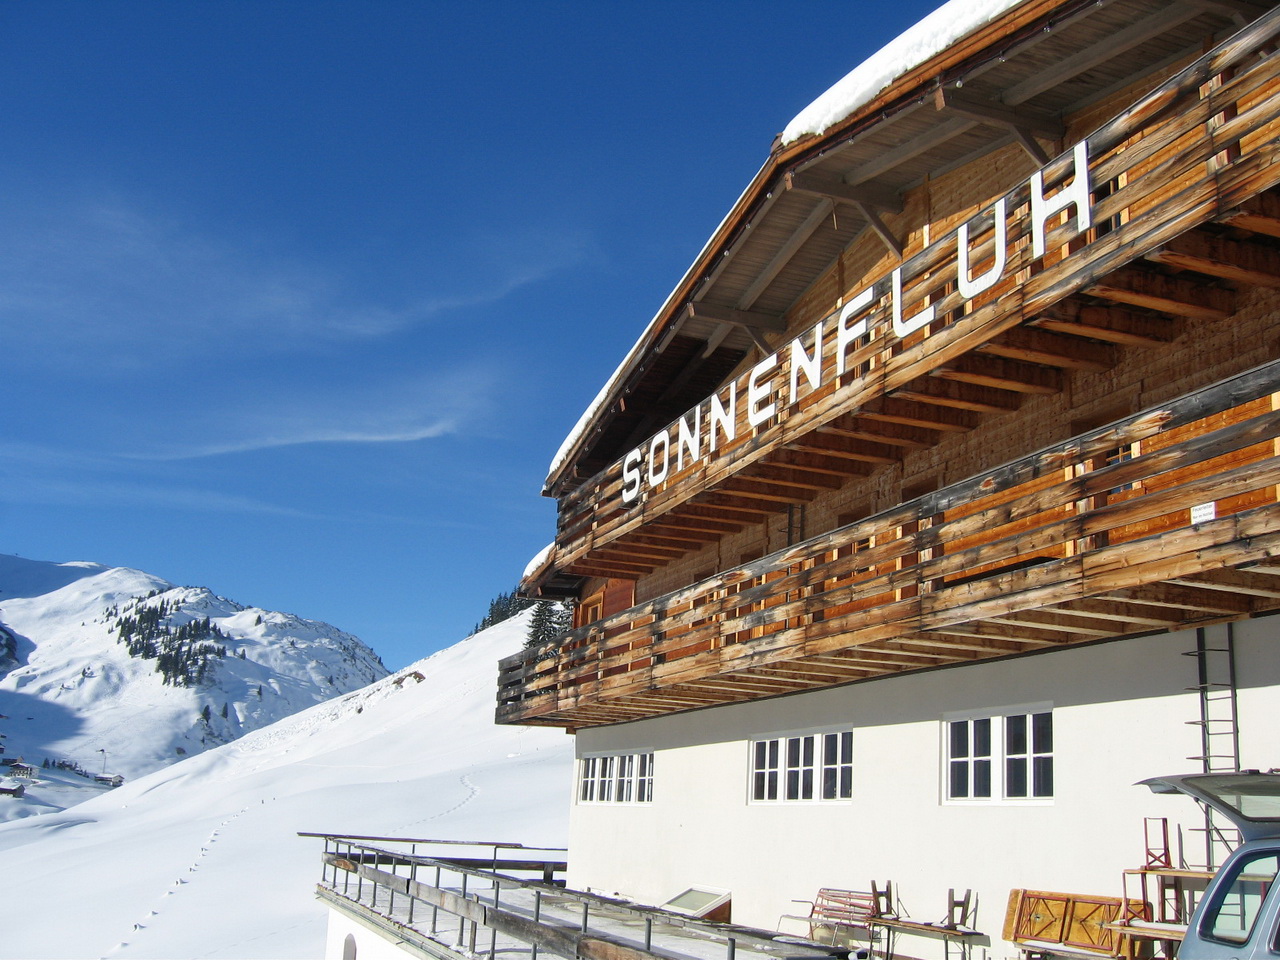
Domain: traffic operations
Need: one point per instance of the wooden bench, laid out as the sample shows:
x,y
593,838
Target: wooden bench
x,y
850,912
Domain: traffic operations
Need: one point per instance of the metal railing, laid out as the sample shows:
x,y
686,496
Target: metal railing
x,y
455,907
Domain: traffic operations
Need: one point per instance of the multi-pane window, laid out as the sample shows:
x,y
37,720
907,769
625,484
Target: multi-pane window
x,y
618,778
814,766
1000,757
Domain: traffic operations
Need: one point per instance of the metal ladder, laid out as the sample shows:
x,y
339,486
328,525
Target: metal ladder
x,y
1219,726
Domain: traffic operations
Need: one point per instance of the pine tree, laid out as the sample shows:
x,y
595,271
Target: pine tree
x,y
550,622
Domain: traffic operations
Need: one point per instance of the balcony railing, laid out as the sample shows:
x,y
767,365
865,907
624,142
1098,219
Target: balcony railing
x,y
464,900
1164,519
1194,150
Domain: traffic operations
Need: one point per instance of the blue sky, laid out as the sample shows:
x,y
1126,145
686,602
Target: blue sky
x,y
297,300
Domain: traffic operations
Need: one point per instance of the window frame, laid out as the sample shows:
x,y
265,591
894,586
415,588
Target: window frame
x,y
1015,767
794,767
615,778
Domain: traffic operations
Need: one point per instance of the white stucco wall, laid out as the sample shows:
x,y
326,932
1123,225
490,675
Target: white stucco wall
x,y
369,944
1121,712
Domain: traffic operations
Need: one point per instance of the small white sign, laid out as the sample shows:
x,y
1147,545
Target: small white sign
x,y
1204,512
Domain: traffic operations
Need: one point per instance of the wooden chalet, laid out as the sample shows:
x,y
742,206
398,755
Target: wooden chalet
x,y
936,506
941,493
964,466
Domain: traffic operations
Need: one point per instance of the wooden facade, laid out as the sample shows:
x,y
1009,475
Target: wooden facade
x,y
931,396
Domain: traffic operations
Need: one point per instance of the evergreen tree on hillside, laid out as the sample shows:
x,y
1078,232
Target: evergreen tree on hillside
x,y
550,622
503,607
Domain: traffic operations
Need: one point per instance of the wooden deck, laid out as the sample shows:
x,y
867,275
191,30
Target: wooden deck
x,y
1164,520
1168,176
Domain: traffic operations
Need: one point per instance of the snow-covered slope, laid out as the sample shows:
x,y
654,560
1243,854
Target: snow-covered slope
x,y
71,690
201,859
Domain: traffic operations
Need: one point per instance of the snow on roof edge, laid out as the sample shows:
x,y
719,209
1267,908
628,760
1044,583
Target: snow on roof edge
x,y
933,34
538,561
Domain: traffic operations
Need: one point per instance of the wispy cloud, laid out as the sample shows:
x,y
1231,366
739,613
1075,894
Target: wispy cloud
x,y
46,476
279,415
107,280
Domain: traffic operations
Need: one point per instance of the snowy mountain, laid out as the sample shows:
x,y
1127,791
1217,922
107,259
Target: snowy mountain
x,y
201,859
116,671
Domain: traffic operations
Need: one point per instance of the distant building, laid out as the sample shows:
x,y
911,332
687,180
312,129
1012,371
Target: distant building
x,y
16,790
111,779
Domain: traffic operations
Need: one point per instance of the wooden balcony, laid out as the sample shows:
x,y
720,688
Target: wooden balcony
x,y
1179,205
1164,520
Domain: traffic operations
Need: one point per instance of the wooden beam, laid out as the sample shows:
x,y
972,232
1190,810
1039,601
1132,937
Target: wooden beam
x,y
937,134
833,189
983,630
747,319
1258,214
1233,260
880,431
1049,620
1184,598
817,217
1234,581
911,413
1108,608
745,507
959,396
1109,324
1001,373
795,476
1177,296
881,230
1108,48
862,451
765,490
1025,124
818,463
1052,349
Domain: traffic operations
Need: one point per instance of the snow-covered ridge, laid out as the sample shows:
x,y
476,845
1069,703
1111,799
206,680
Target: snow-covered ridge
x,y
89,682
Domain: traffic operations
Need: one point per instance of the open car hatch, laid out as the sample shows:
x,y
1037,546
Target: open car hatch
x,y
1248,798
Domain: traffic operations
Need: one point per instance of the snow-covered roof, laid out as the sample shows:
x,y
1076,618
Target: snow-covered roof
x,y
538,562
899,56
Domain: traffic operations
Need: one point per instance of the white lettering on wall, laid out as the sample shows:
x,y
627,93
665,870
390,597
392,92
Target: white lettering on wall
x,y
1077,195
758,391
852,327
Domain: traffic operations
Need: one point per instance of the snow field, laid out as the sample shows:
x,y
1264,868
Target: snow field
x,y
201,858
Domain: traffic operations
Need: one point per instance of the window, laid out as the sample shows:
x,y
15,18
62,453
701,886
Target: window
x,y
1000,757
811,767
1236,907
617,778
